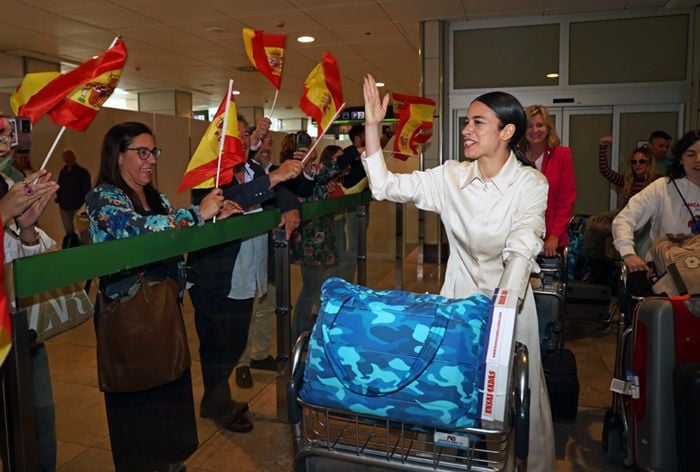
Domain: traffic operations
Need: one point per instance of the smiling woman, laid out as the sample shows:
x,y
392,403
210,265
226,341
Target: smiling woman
x,y
493,211
151,429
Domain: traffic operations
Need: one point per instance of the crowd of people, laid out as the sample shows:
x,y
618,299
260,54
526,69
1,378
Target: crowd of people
x,y
511,201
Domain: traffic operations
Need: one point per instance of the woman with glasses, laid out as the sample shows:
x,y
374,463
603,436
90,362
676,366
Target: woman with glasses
x,y
639,173
153,429
541,146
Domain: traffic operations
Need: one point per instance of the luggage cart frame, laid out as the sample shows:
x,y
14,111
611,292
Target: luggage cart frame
x,y
328,439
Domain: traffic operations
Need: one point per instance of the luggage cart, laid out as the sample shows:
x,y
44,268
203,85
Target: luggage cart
x,y
330,440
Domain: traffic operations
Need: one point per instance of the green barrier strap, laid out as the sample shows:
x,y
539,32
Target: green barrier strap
x,y
36,274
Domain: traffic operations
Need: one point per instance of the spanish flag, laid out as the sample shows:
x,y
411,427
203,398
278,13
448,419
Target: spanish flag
x,y
201,171
5,320
74,98
415,124
266,53
323,92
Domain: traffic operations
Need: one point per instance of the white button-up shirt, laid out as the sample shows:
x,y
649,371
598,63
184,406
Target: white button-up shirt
x,y
488,222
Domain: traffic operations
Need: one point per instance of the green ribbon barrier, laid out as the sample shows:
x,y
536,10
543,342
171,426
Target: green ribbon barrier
x,y
36,274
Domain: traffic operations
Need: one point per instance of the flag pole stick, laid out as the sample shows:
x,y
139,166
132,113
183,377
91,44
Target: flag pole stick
x,y
63,128
53,146
318,139
274,102
223,134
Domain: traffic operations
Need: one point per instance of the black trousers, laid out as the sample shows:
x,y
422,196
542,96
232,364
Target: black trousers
x,y
222,326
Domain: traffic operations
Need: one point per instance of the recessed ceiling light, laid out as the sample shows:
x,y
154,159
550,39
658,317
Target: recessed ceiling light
x,y
236,92
552,75
306,39
380,84
216,29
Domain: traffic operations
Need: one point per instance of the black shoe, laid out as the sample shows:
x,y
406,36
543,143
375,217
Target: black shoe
x,y
238,408
269,363
243,377
236,422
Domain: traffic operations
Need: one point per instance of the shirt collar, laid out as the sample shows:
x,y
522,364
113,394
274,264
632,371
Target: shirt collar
x,y
501,181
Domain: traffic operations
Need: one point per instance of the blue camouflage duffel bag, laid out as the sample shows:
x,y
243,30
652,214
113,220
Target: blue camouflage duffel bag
x,y
416,358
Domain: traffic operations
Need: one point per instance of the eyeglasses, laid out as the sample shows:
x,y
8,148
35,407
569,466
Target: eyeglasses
x,y
640,161
144,153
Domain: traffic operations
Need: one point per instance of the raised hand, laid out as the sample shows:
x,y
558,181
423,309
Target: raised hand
x,y
26,193
375,108
229,208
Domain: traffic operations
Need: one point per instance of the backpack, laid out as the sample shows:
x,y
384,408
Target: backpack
x,y
677,261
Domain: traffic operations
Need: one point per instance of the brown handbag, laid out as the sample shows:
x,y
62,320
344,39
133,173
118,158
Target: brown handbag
x,y
141,341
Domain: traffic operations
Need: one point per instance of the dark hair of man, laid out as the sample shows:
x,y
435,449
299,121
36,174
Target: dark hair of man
x,y
675,168
328,153
115,142
240,117
659,134
356,131
508,110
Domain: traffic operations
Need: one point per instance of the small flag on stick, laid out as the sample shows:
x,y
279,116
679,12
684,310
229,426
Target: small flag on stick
x,y
74,98
415,124
266,53
202,170
323,92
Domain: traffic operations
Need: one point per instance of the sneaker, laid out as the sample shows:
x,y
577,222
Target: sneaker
x,y
243,377
269,363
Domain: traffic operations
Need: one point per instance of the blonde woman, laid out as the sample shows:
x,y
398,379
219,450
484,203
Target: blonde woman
x,y
542,147
640,171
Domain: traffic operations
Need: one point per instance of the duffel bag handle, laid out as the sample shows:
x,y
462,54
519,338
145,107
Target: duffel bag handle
x,y
432,343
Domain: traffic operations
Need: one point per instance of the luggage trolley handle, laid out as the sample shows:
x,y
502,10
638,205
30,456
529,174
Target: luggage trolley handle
x,y
296,377
522,402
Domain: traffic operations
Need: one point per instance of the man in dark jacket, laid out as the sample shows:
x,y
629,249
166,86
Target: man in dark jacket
x,y
74,182
226,280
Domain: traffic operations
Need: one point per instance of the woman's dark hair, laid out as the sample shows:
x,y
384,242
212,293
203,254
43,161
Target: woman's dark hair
x,y
328,153
509,111
288,147
115,142
675,168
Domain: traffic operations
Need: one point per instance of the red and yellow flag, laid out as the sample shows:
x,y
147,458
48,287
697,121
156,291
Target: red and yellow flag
x,y
201,171
74,98
266,53
5,320
415,124
323,92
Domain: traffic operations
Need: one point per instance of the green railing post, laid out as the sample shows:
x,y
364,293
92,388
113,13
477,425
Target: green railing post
x,y
284,321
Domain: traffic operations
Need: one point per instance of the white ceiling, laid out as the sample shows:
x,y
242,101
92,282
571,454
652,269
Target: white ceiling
x,y
169,46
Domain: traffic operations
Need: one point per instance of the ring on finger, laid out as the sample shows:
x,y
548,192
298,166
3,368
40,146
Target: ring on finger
x,y
28,190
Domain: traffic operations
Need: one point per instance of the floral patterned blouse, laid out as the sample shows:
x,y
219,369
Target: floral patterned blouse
x,y
313,243
113,216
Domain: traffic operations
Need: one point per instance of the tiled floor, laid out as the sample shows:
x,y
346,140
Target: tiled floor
x,y
82,428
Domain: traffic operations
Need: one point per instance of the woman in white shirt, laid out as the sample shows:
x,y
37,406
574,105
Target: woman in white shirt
x,y
492,208
672,204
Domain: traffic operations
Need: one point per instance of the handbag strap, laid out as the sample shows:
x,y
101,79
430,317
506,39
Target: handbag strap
x,y
432,343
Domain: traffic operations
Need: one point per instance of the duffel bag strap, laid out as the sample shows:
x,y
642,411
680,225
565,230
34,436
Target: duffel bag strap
x,y
430,347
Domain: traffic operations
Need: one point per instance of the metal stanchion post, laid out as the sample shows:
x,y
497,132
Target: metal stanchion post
x,y
362,244
18,449
284,321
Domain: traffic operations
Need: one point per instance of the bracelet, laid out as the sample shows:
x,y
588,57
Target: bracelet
x,y
196,215
30,243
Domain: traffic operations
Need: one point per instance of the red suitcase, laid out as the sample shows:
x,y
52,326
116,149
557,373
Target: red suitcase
x,y
666,333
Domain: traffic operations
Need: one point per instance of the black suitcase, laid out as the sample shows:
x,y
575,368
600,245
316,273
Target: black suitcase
x,y
587,302
686,384
562,383
550,318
